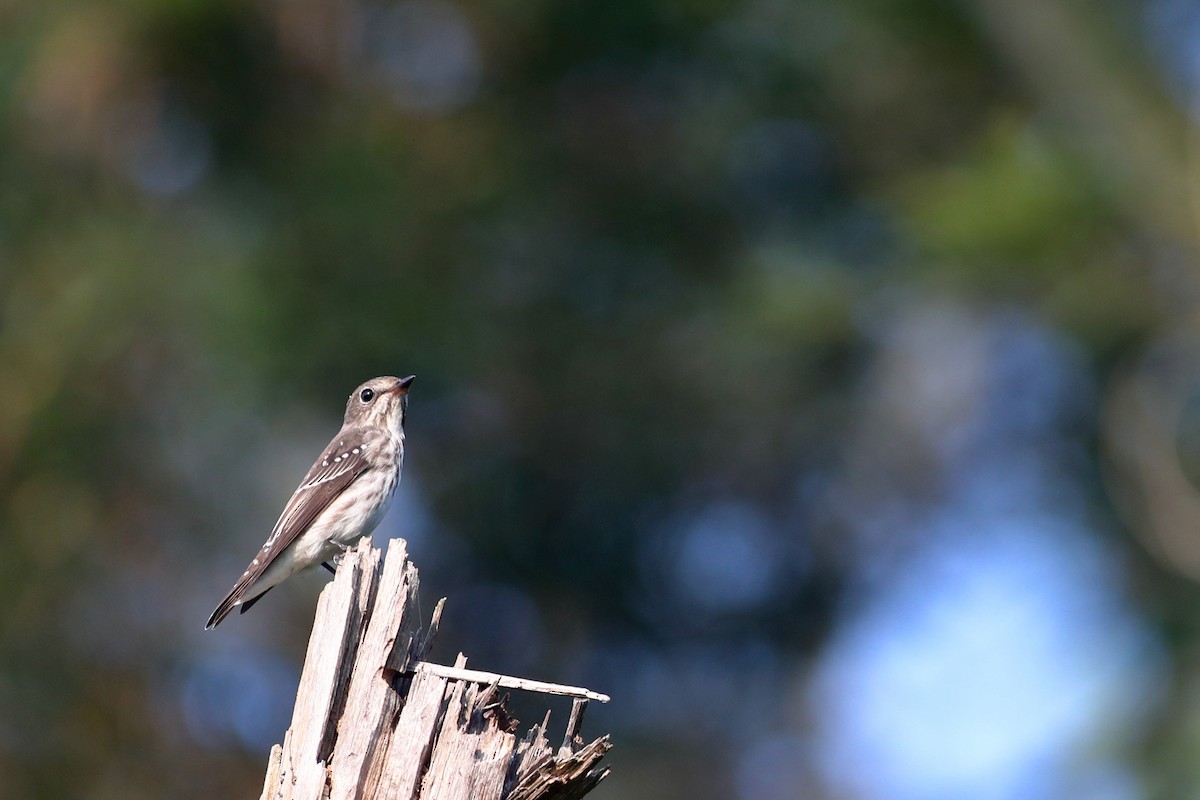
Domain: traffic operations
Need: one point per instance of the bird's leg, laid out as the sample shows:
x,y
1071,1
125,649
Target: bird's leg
x,y
342,549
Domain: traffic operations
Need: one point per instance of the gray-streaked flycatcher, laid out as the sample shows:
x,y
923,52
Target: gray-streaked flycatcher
x,y
341,499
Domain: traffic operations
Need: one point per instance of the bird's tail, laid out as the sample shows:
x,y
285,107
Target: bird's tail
x,y
224,609
234,600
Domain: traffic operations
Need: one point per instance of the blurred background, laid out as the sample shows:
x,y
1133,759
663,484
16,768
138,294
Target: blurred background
x,y
820,379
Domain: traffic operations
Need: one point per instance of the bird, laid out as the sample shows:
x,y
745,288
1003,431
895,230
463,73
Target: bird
x,y
343,497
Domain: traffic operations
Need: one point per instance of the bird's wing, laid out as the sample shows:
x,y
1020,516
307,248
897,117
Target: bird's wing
x,y
342,461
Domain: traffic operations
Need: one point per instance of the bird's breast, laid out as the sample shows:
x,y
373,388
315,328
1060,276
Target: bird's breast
x,y
354,514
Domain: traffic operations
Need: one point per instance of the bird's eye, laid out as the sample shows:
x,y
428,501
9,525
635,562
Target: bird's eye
x,y
367,395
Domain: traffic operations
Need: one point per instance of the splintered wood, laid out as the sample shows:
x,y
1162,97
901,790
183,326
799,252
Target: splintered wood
x,y
372,720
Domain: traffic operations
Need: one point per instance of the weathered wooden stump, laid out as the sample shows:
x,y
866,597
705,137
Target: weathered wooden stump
x,y
373,720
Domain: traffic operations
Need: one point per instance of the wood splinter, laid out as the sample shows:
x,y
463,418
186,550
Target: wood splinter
x,y
373,720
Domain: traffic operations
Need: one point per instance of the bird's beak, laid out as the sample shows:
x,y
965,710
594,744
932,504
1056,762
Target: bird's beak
x,y
402,386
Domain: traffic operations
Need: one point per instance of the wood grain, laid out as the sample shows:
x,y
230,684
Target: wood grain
x,y
373,720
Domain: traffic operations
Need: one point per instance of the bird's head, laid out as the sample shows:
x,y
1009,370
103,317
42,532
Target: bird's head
x,y
380,402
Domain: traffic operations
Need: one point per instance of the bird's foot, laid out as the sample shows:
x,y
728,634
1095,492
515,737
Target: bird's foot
x,y
342,549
